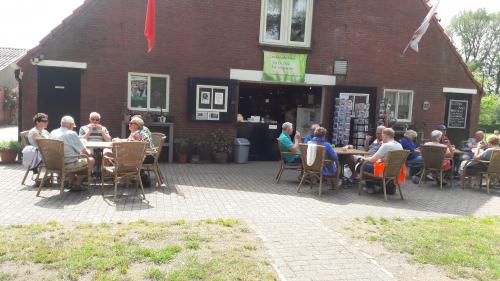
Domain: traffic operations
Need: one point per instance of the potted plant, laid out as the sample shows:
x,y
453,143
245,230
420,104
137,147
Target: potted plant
x,y
162,118
181,150
220,145
9,150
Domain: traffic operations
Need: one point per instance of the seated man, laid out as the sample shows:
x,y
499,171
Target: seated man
x,y
388,144
94,131
476,167
329,169
477,142
287,145
444,138
309,137
72,147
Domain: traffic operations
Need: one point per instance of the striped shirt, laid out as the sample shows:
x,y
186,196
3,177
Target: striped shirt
x,y
95,135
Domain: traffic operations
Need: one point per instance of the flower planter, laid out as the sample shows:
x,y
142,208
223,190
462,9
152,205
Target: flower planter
x,y
182,158
8,157
220,157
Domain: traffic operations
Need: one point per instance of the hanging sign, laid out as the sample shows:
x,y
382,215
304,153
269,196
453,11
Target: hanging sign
x,y
284,67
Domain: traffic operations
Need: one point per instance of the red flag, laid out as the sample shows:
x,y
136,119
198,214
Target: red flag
x,y
149,29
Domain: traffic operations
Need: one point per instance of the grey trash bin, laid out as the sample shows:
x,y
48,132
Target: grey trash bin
x,y
241,148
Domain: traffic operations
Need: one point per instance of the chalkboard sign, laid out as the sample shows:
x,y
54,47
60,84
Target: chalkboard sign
x,y
457,114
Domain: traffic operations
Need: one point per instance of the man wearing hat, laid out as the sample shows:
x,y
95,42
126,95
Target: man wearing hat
x,y
73,147
444,138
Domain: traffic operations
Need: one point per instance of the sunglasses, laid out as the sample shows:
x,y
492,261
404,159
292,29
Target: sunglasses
x,y
44,121
94,119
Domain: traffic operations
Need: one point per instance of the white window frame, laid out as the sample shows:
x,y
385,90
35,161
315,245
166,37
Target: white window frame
x,y
396,106
225,88
148,108
286,21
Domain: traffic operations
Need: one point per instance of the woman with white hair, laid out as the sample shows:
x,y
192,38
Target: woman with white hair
x,y
436,140
414,160
409,143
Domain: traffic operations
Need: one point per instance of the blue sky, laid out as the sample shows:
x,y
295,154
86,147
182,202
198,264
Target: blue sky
x,y
26,22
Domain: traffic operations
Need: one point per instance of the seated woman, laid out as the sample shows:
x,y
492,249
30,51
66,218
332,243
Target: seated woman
x,y
139,133
475,167
31,156
414,160
330,169
436,140
41,121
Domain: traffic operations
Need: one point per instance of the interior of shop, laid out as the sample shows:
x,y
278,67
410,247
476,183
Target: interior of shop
x,y
276,103
262,108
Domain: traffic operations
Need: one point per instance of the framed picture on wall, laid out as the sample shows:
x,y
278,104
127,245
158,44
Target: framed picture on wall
x,y
211,98
213,116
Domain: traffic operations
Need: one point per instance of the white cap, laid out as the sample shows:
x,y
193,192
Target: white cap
x,y
67,120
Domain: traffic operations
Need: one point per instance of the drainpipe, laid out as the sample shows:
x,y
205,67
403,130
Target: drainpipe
x,y
19,76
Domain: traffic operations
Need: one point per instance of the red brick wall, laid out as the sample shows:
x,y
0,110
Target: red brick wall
x,y
207,38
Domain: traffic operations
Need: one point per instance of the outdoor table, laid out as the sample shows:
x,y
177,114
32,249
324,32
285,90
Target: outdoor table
x,y
342,151
98,147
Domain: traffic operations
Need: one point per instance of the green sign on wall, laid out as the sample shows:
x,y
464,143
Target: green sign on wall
x,y
284,67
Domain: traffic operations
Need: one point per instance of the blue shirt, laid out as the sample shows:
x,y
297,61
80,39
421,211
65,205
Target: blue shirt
x,y
331,168
308,138
411,146
286,146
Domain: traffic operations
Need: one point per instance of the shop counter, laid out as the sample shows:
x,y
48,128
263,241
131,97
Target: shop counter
x,y
262,137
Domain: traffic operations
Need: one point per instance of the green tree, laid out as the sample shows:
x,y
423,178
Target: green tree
x,y
477,36
490,110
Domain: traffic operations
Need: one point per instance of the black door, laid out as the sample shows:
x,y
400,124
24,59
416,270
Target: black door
x,y
59,93
457,117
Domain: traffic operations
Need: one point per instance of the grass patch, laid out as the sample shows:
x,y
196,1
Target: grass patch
x,y
465,247
371,220
7,276
193,245
115,252
227,222
155,274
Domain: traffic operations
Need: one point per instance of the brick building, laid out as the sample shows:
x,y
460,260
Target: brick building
x,y
208,60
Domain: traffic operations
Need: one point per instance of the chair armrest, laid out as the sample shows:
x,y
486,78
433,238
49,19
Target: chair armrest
x,y
108,159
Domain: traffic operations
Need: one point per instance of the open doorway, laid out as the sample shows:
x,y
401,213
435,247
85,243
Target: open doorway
x,y
59,93
262,108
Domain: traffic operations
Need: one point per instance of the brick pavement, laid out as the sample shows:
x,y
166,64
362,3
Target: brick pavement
x,y
301,247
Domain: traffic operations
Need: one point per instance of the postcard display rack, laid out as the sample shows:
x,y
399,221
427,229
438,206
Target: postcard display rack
x,y
342,122
360,124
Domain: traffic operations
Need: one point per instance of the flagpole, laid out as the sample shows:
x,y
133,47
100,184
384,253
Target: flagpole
x,y
404,51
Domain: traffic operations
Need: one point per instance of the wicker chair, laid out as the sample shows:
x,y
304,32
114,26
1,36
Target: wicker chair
x,y
433,157
126,163
284,165
158,142
394,163
316,169
25,142
493,170
54,162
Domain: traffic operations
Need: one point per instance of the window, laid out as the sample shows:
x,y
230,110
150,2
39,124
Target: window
x,y
286,22
401,103
148,91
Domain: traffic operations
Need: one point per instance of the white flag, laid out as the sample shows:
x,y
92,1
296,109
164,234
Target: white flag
x,y
423,28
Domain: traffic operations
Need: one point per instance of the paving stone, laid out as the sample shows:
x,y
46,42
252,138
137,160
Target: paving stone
x,y
300,245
